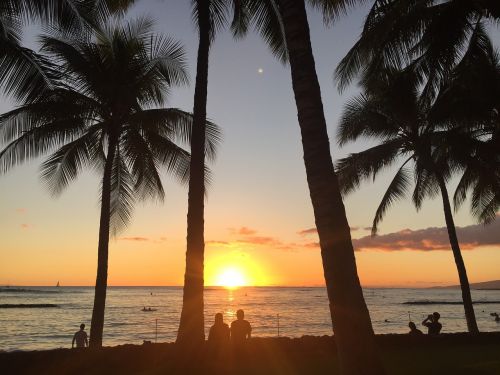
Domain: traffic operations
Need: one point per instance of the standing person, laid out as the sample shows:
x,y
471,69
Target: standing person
x,y
240,329
80,337
432,324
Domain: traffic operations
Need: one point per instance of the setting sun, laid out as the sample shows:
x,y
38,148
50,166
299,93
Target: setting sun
x,y
231,278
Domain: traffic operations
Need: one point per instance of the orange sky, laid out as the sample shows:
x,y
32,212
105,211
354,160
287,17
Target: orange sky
x,y
258,204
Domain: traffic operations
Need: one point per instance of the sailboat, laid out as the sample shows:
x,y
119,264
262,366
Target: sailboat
x,y
57,285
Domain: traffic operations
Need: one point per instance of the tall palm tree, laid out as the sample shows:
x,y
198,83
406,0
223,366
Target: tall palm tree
x,y
24,73
211,16
391,111
350,317
106,113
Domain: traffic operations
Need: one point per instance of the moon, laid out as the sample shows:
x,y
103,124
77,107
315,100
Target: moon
x,y
260,70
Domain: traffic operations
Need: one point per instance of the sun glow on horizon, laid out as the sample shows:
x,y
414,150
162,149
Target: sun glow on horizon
x,y
234,268
231,278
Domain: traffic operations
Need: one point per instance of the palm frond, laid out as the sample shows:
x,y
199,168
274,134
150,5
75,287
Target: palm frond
x,y
397,189
357,167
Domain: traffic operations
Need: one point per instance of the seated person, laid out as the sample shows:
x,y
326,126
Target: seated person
x,y
432,324
219,332
414,331
240,329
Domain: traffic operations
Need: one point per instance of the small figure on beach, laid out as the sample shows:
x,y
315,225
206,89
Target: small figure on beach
x,y
496,316
240,328
432,324
414,331
80,337
219,332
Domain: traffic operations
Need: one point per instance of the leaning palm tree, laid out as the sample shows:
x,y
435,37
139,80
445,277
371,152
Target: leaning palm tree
x,y
284,25
24,73
106,113
392,112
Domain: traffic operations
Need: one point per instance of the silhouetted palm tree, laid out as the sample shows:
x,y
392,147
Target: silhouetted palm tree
x,y
428,37
210,17
105,113
350,317
24,73
392,112
470,99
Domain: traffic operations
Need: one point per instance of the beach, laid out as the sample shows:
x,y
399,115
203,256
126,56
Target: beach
x,y
402,354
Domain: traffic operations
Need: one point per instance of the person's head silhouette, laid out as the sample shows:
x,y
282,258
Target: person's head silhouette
x,y
219,319
435,316
82,327
412,326
240,314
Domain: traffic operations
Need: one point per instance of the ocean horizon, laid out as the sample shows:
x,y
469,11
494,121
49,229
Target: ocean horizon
x,y
272,311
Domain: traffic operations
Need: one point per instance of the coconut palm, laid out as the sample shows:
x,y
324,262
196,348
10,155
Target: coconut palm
x,y
391,112
106,113
429,36
350,317
470,99
210,16
24,73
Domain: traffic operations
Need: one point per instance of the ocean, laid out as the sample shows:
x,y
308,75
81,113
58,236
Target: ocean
x,y
272,311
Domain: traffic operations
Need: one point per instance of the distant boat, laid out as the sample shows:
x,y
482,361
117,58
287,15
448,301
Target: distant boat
x,y
57,286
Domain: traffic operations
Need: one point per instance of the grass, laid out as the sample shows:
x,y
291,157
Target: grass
x,y
450,354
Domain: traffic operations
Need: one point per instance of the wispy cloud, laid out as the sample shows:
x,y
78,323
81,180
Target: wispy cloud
x,y
25,226
136,239
21,210
309,231
431,239
243,231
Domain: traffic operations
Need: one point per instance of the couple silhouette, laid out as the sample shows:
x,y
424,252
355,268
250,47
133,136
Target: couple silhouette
x,y
220,334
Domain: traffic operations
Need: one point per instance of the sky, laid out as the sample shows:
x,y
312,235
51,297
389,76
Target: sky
x,y
259,222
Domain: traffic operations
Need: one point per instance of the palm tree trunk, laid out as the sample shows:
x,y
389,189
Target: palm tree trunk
x,y
459,261
192,324
351,321
101,283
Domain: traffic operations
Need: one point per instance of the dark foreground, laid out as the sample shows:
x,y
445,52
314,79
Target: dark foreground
x,y
447,354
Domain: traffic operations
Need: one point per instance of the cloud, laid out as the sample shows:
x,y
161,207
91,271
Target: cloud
x,y
431,239
137,239
243,231
306,232
25,226
21,210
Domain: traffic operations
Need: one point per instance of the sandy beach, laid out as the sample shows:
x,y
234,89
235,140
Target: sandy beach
x,y
402,354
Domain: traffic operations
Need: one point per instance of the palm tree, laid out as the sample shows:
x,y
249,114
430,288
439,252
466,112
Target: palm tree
x,y
350,317
427,36
106,113
470,99
24,73
391,111
210,16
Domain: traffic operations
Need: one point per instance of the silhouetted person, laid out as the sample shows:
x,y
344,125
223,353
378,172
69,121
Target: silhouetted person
x,y
432,324
240,329
414,331
81,338
219,332
496,316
